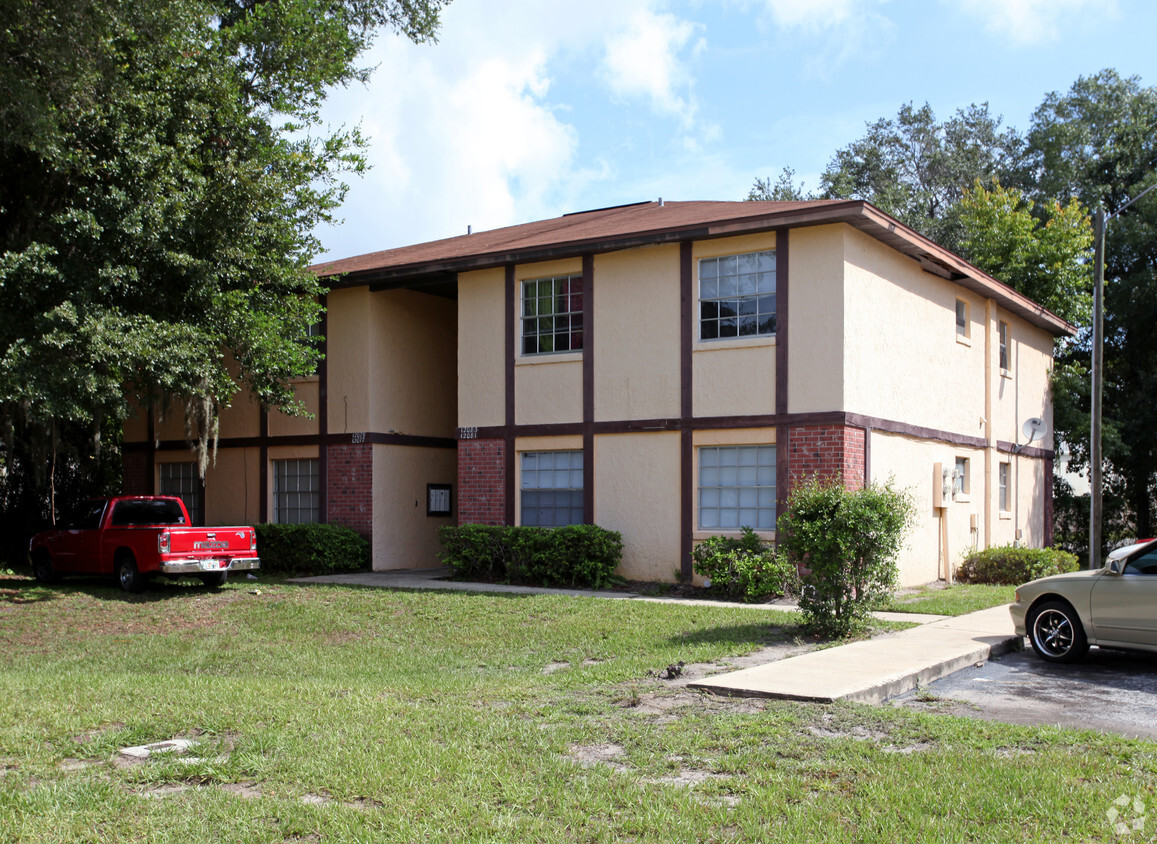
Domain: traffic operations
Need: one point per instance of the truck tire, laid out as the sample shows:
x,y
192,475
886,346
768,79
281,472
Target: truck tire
x,y
42,568
216,580
128,575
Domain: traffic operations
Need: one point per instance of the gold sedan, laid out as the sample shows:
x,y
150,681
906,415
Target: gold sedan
x,y
1112,607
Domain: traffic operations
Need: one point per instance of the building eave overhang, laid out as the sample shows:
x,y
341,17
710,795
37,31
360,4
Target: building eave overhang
x,y
859,214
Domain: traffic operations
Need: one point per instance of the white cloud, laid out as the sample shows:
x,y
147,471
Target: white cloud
x,y
481,128
643,60
1032,21
837,30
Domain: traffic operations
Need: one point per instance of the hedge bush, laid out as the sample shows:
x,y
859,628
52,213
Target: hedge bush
x,y
575,555
311,549
1010,565
846,543
744,568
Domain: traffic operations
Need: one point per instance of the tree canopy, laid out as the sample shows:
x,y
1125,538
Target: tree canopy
x,y
165,168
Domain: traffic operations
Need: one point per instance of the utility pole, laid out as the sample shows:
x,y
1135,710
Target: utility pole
x,y
1098,373
1100,222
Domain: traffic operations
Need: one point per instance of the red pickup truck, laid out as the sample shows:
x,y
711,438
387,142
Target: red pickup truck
x,y
137,537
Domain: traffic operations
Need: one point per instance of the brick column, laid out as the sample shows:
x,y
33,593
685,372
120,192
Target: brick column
x,y
827,452
482,482
350,499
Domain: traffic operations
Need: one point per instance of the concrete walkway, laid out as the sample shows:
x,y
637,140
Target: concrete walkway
x,y
870,671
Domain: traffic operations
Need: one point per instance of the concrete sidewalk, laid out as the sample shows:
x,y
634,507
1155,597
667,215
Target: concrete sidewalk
x,y
877,669
870,671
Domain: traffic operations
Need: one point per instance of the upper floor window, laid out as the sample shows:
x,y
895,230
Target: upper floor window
x,y
552,315
962,326
737,296
1002,486
1003,330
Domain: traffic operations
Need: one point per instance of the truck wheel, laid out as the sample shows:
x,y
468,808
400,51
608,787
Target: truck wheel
x,y
42,568
129,577
215,581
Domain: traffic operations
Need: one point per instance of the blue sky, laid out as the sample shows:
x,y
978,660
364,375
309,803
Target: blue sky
x,y
528,109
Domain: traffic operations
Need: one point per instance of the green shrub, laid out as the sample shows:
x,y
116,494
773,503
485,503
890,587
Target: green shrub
x,y
311,549
744,568
1010,565
846,543
575,555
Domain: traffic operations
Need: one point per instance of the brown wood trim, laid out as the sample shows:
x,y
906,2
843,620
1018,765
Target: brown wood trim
x,y
782,476
266,443
588,389
782,324
1025,451
687,307
323,418
867,455
511,351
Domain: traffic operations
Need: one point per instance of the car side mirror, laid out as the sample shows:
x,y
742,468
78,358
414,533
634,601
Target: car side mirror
x,y
1114,566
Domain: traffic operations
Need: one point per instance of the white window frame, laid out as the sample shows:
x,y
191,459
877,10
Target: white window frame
x,y
963,321
736,483
546,327
1002,345
295,502
962,479
1003,474
551,485
742,286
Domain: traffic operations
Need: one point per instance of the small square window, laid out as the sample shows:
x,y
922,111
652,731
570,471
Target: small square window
x,y
183,481
552,315
737,296
296,488
960,479
552,488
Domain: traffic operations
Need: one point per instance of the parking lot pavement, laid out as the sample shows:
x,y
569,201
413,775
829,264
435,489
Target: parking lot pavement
x,y
1110,691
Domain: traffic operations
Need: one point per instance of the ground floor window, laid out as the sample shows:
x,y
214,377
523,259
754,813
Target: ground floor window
x,y
183,481
296,492
552,488
737,487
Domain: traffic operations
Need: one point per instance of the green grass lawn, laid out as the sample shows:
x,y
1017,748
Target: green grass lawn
x,y
958,599
355,714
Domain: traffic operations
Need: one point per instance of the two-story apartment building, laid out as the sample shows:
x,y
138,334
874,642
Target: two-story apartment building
x,y
667,370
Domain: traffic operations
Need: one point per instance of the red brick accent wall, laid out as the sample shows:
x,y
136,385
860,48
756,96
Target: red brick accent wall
x,y
481,482
136,473
351,487
826,452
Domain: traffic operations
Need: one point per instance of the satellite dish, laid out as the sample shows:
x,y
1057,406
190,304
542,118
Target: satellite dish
x,y
1033,429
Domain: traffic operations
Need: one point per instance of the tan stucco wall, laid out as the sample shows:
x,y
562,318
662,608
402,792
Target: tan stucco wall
x,y
548,389
816,312
403,535
413,381
481,348
233,488
307,391
349,366
638,495
636,334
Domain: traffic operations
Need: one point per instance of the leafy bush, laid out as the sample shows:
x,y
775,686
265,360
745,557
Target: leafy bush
x,y
311,549
846,543
1010,565
575,555
744,568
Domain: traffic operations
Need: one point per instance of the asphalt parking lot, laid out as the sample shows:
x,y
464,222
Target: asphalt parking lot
x,y
1109,691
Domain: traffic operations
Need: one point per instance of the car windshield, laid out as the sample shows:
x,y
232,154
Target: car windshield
x,y
157,511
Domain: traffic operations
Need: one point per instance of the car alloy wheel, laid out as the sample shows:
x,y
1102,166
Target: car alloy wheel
x,y
1056,633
